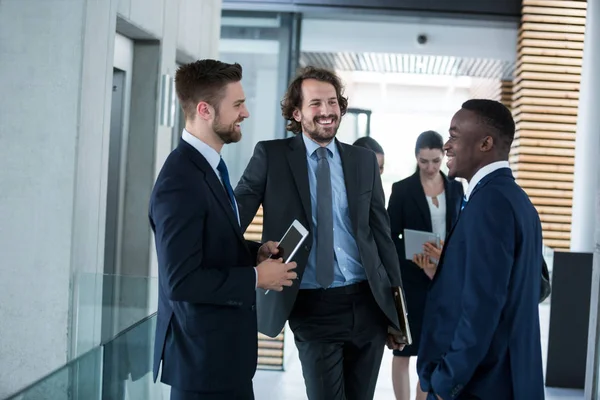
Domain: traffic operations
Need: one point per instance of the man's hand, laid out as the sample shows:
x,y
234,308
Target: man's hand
x,y
392,344
266,250
273,274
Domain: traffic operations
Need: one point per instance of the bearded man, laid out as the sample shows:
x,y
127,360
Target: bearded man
x,y
206,337
341,305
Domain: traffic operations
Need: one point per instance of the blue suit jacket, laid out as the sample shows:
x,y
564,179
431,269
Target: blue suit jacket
x,y
481,330
206,333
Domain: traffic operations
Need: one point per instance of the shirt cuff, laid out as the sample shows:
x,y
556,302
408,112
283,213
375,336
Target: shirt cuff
x,y
256,278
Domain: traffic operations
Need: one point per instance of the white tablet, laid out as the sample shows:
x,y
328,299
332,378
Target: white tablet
x,y
291,241
415,240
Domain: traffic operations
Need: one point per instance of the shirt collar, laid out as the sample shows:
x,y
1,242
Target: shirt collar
x,y
312,146
482,173
208,152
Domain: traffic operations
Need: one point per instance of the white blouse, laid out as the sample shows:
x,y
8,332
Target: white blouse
x,y
438,215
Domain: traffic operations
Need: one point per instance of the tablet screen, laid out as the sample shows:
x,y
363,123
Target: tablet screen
x,y
289,242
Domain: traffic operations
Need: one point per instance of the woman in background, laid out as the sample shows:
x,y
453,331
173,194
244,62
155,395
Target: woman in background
x,y
369,143
426,201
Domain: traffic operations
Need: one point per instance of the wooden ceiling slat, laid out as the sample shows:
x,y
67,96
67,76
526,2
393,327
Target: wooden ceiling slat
x,y
528,158
581,5
569,169
547,9
530,25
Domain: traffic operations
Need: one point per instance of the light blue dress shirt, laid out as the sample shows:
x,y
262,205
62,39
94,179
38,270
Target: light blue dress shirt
x,y
347,265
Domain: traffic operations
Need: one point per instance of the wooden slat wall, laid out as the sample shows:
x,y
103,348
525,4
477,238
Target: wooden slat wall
x,y
545,100
270,351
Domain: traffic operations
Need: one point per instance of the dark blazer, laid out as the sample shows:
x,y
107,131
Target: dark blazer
x,y
408,209
206,325
277,178
481,329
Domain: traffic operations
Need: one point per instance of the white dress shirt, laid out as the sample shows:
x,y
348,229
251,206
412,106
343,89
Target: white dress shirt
x,y
482,173
438,214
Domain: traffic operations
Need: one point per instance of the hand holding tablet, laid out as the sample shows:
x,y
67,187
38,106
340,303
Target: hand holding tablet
x,y
290,242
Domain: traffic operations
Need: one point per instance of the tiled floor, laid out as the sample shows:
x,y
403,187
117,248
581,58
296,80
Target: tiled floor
x,y
289,385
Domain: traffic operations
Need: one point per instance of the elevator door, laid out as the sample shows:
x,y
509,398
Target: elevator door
x,y
114,173
114,207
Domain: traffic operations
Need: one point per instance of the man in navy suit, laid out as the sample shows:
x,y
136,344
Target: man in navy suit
x,y
481,333
206,335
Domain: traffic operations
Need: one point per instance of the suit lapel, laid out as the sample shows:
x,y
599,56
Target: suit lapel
x,y
350,168
298,165
218,190
450,204
215,186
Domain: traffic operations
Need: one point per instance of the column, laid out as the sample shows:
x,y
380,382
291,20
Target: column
x,y
545,101
587,199
54,131
587,140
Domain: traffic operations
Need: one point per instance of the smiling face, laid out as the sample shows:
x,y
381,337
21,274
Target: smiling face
x,y
320,113
468,147
230,113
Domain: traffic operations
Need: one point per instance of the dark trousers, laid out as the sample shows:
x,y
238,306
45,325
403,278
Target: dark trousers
x,y
242,393
340,334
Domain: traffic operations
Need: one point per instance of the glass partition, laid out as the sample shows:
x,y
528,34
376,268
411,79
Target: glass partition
x,y
120,369
355,124
78,380
107,304
265,44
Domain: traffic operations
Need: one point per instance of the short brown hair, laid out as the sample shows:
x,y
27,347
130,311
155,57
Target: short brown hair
x,y
204,80
293,97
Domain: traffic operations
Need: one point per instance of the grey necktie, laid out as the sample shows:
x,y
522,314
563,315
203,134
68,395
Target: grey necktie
x,y
324,220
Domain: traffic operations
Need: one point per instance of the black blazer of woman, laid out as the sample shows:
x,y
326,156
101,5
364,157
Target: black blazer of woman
x,y
408,209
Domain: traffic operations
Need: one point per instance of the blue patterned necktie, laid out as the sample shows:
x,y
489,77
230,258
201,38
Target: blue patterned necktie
x,y
222,168
464,203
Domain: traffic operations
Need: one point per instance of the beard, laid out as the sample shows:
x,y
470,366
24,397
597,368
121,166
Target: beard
x,y
228,133
319,133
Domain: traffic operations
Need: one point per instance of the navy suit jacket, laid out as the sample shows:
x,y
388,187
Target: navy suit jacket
x,y
206,333
481,329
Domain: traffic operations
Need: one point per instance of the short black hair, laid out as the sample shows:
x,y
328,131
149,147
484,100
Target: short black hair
x,y
204,80
429,140
495,116
369,143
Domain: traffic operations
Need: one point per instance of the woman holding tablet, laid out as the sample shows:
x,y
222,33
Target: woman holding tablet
x,y
426,201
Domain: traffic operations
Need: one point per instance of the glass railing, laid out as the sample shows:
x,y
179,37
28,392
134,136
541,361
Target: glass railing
x,y
108,304
120,369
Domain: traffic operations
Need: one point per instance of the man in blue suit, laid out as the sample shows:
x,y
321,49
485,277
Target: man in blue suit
x,y
481,333
206,335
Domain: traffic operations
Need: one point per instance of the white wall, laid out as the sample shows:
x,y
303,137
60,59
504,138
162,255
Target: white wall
x,y
56,67
402,107
457,38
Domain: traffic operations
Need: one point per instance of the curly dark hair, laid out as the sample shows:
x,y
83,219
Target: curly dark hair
x,y
293,97
204,80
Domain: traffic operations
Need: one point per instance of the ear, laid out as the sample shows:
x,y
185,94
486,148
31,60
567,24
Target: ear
x,y
296,115
487,144
204,110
